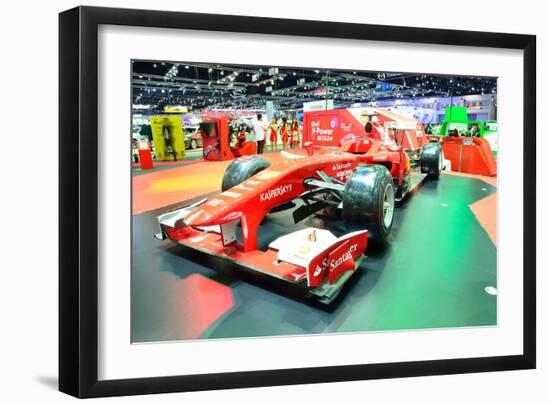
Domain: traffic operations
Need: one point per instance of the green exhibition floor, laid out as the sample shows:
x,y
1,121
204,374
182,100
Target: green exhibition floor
x,y
433,273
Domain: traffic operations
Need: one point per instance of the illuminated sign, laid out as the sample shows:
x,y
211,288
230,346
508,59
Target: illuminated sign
x,y
382,87
176,108
320,91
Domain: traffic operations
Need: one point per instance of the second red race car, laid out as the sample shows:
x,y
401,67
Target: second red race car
x,y
358,183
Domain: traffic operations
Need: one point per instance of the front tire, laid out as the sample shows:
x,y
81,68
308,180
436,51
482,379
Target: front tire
x,y
369,201
194,144
242,169
430,160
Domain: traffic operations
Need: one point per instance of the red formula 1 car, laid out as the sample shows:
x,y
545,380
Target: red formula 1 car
x,y
358,182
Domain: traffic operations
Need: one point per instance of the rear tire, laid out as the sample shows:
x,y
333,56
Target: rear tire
x,y
242,169
430,160
369,201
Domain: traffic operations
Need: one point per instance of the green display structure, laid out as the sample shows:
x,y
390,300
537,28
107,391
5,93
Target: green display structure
x,y
457,118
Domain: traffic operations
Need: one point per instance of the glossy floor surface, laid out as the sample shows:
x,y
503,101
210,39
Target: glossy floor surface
x,y
433,273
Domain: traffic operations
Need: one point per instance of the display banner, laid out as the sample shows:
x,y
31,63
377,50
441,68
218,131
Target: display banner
x,y
333,127
176,108
168,137
327,128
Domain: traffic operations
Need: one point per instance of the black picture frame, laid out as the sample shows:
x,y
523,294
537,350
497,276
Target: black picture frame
x,y
78,196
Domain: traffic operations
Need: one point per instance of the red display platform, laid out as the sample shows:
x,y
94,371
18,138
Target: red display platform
x,y
145,156
470,155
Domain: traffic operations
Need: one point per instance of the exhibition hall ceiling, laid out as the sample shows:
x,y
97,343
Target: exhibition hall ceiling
x,y
200,85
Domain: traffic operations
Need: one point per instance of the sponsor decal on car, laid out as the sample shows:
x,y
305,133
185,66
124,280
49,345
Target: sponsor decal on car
x,y
231,194
275,192
346,256
244,188
214,202
342,170
321,268
341,166
349,138
343,174
340,257
335,263
267,174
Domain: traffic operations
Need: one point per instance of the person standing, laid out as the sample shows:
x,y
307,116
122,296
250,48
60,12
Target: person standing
x,y
259,127
273,134
428,129
167,135
284,133
241,136
294,134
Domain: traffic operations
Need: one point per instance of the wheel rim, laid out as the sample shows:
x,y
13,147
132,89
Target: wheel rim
x,y
193,144
388,207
